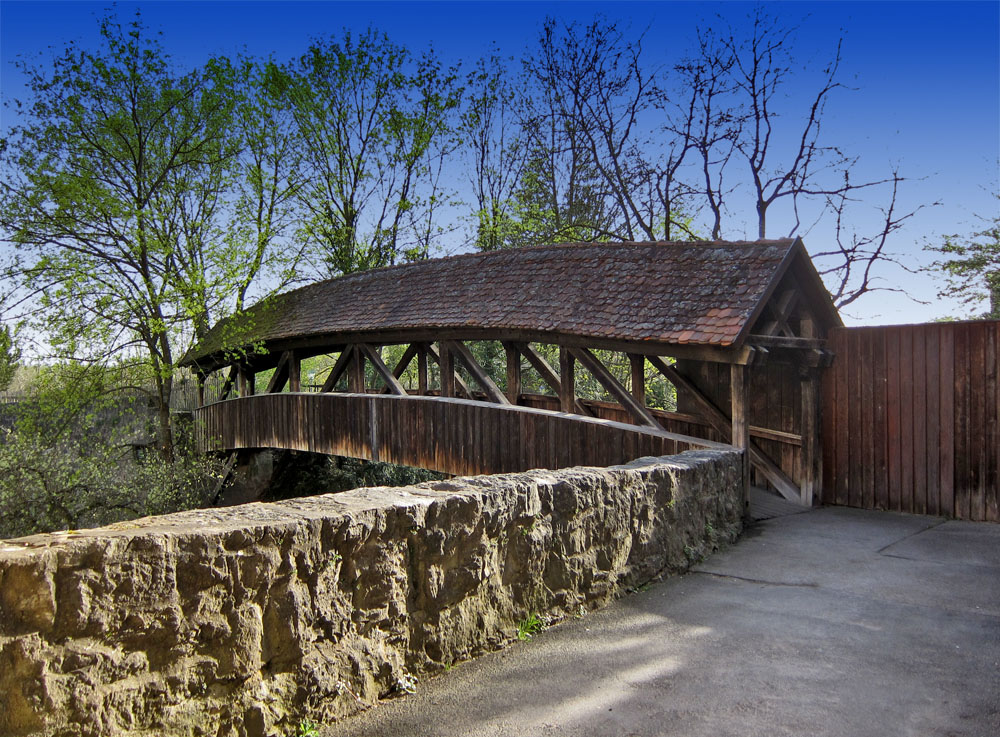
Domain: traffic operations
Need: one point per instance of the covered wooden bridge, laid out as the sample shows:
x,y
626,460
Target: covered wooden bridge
x,y
737,328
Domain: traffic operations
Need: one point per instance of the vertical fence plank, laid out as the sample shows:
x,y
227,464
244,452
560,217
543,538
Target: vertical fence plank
x,y
842,410
932,452
919,425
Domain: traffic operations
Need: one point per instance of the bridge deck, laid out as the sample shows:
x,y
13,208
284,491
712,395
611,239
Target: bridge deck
x,y
455,436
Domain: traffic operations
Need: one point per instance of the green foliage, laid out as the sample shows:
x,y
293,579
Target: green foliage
x,y
144,203
971,268
375,126
307,728
529,627
10,357
78,454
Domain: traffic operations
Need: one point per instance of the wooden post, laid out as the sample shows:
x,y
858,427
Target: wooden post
x,y
247,381
741,425
356,378
567,381
812,446
421,370
201,389
513,372
294,372
447,366
638,377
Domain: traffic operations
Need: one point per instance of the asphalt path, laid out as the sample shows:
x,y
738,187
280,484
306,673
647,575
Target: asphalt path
x,y
830,622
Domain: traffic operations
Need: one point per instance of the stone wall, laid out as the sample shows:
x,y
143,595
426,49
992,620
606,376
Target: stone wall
x,y
241,621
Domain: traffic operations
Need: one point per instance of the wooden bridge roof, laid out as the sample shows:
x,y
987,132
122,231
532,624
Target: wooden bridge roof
x,y
702,293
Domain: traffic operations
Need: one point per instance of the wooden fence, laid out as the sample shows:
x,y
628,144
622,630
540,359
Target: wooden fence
x,y
911,419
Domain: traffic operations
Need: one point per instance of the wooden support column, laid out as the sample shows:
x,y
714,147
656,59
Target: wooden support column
x,y
812,447
447,366
741,425
513,372
548,375
294,372
567,380
638,378
201,390
247,379
421,370
356,372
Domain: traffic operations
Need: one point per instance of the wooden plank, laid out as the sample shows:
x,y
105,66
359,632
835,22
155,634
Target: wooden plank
x,y
422,383
740,425
880,472
477,372
906,420
513,372
867,420
946,422
992,408
828,404
812,453
637,364
391,382
845,392
567,380
893,429
600,372
977,381
962,417
919,425
932,453
855,474
356,370
294,372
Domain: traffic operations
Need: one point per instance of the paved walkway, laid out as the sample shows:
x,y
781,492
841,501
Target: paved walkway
x,y
829,622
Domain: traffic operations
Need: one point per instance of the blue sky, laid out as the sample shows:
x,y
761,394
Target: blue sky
x,y
927,79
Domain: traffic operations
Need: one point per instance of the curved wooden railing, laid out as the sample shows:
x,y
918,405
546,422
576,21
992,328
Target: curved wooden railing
x,y
455,436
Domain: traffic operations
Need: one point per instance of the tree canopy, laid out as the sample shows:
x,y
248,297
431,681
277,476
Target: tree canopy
x,y
971,268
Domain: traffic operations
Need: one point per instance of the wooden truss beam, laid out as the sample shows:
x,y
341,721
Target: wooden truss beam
x,y
338,369
459,381
781,310
280,374
546,373
391,382
614,387
462,352
718,419
227,385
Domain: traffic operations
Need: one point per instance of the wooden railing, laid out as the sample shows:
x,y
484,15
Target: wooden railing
x,y
456,436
